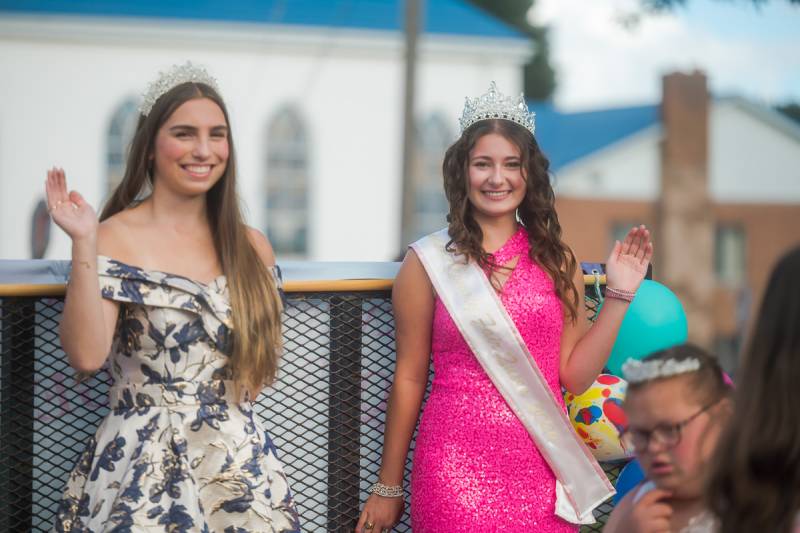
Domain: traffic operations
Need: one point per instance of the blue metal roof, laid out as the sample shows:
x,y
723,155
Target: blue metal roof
x,y
567,137
452,17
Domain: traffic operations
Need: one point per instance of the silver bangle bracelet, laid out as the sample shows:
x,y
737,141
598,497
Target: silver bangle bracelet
x,y
387,491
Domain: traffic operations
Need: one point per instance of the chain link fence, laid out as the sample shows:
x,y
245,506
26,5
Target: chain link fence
x,y
326,413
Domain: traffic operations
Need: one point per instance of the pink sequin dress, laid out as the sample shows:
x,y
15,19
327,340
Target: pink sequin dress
x,y
475,467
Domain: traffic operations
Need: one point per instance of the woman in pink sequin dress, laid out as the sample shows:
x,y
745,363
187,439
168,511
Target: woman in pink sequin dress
x,y
475,466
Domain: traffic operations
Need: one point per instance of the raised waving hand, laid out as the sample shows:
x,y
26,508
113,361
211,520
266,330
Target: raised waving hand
x,y
68,209
627,264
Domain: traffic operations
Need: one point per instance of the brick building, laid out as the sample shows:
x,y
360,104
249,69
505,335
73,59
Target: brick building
x,y
717,179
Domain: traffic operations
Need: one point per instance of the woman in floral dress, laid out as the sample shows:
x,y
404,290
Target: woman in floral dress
x,y
182,299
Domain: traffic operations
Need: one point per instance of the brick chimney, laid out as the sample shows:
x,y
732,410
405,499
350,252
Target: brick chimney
x,y
684,236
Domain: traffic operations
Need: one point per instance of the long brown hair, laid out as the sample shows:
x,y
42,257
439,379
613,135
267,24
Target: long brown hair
x,y
755,485
536,212
255,303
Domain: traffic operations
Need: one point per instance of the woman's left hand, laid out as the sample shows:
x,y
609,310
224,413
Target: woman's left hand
x,y
628,262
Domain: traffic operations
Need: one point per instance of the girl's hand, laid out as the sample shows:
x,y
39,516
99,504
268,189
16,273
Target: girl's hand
x,y
650,514
69,210
627,264
381,513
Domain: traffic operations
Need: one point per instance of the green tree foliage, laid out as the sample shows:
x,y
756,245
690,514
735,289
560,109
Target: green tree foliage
x,y
790,110
540,78
659,5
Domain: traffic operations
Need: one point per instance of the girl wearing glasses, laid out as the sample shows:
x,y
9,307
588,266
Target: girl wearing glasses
x,y
677,405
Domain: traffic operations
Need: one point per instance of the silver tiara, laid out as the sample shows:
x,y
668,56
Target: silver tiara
x,y
173,77
495,104
636,371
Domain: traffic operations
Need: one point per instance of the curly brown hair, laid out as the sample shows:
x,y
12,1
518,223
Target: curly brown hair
x,y
536,213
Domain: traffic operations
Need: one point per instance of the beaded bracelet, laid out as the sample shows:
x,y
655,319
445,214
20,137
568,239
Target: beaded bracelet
x,y
387,491
620,294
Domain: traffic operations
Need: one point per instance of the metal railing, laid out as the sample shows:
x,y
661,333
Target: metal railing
x,y
325,414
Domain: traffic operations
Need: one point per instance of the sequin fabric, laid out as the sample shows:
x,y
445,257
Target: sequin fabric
x,y
475,466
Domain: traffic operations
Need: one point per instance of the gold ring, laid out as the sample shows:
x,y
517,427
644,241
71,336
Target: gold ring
x,y
369,525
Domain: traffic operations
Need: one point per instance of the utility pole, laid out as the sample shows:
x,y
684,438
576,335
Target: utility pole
x,y
412,28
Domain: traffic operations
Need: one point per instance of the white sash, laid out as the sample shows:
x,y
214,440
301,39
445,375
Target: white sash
x,y
492,336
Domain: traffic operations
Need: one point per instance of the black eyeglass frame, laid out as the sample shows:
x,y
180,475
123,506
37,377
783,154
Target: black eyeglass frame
x,y
672,431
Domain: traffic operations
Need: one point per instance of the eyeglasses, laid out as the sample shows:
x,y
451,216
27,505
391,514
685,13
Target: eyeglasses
x,y
668,435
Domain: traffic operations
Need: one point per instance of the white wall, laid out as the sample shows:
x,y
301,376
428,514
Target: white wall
x,y
628,170
753,160
754,157
63,79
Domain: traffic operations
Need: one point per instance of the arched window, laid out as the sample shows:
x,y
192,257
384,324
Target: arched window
x,y
434,136
120,134
287,183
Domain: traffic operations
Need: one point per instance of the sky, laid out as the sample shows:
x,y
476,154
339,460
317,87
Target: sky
x,y
602,61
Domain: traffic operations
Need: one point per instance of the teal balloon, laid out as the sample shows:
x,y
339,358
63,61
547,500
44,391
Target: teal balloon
x,y
655,320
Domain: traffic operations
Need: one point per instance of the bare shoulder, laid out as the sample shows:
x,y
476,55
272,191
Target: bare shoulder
x,y
412,279
114,235
414,306
412,269
261,245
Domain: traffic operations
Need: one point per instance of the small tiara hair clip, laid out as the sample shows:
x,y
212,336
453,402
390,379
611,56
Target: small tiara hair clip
x,y
636,371
496,105
170,79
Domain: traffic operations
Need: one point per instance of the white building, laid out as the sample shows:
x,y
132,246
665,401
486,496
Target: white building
x,y
314,88
614,154
608,170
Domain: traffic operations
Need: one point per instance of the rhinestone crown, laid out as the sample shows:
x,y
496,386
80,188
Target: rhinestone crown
x,y
496,105
636,371
172,78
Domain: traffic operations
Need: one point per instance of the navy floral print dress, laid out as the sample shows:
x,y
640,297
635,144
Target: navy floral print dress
x,y
180,451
